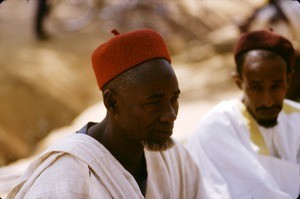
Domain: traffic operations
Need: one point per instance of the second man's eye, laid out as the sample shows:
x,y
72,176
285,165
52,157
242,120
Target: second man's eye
x,y
256,88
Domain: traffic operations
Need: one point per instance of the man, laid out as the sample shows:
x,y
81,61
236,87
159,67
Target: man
x,y
253,143
130,154
281,16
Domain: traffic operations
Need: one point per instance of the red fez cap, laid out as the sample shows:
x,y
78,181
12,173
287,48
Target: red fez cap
x,y
125,51
266,40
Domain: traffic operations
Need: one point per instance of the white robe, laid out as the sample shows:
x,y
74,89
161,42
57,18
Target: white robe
x,y
80,167
247,160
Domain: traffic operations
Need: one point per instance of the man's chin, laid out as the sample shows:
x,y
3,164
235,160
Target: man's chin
x,y
158,145
267,123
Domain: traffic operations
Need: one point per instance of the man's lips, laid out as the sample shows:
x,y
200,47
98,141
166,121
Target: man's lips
x,y
164,133
273,108
271,111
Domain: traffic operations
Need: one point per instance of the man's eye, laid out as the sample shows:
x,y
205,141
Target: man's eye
x,y
277,86
256,88
152,102
174,99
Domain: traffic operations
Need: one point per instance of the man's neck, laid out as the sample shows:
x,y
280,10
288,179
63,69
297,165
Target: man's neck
x,y
131,156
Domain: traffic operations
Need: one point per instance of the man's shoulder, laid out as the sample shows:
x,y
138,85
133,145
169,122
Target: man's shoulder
x,y
55,176
223,119
224,109
74,147
291,107
225,106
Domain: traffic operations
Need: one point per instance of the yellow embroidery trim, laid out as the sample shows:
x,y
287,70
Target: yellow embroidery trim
x,y
255,134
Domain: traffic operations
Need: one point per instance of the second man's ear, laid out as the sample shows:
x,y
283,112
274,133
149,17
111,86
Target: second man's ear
x,y
237,79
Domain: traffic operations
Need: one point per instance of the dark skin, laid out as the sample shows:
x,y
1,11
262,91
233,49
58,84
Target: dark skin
x,y
147,113
264,82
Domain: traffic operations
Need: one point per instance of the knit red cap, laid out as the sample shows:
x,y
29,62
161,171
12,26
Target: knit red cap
x,y
266,40
125,51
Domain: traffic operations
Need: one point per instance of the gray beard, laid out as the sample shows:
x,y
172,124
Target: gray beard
x,y
158,145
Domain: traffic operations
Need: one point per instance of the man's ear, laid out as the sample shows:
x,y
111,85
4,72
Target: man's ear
x,y
110,100
237,79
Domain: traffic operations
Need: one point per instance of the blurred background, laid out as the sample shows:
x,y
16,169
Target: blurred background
x,y
48,88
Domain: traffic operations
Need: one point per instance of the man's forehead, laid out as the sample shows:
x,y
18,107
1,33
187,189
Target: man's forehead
x,y
153,68
262,53
155,79
161,94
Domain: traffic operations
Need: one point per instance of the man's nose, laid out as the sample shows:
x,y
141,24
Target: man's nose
x,y
169,113
268,98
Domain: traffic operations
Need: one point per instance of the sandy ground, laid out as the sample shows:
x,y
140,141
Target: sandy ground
x,y
202,87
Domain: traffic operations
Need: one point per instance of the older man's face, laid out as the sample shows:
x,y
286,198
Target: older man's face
x,y
148,113
264,82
